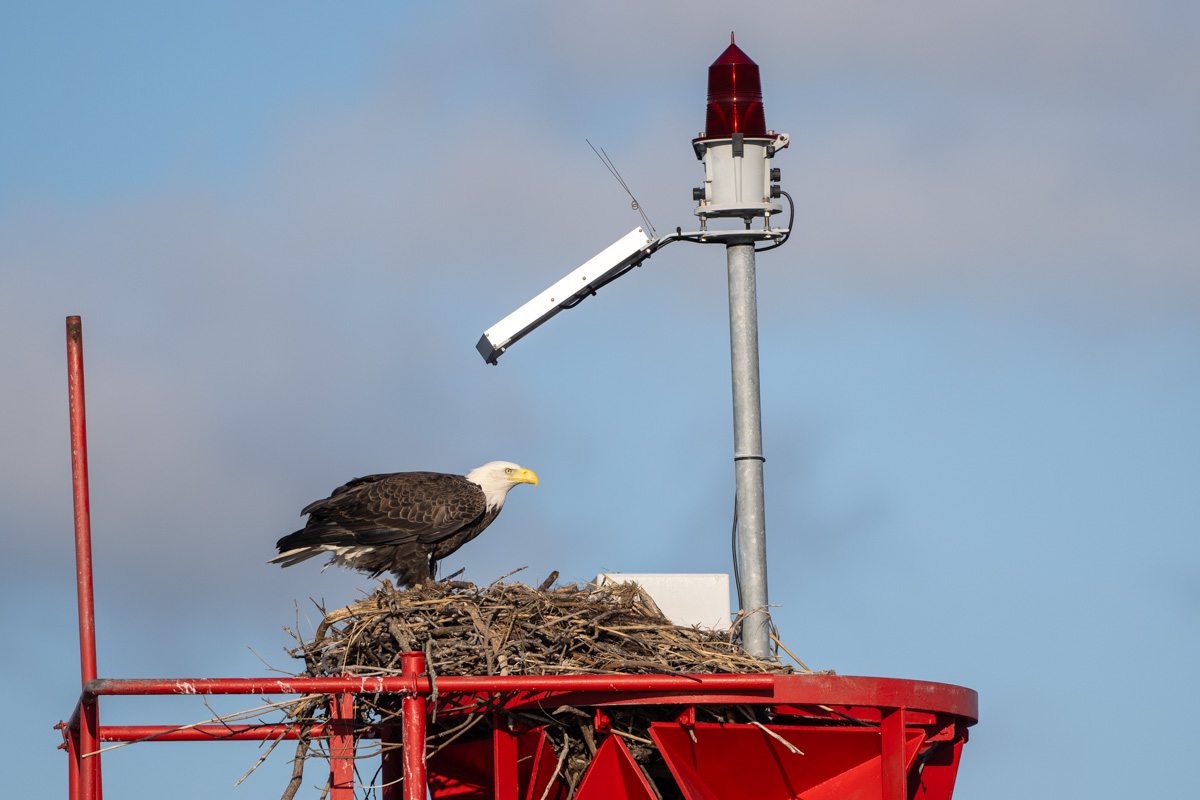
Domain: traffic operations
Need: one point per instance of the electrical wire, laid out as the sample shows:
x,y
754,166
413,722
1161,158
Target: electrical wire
x,y
678,236
651,249
737,572
791,220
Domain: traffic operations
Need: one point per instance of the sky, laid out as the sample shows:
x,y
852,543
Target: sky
x,y
285,226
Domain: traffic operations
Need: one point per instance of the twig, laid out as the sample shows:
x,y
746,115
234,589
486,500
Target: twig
x,y
222,720
791,747
566,748
262,758
509,575
268,666
631,737
433,687
298,765
789,652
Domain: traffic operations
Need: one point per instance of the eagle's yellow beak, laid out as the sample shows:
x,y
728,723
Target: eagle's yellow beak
x,y
525,476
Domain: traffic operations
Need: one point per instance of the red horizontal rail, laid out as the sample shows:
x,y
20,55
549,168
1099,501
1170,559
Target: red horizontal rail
x,y
208,733
423,685
795,690
854,690
835,690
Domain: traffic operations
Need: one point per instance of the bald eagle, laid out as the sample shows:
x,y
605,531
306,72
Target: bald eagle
x,y
403,522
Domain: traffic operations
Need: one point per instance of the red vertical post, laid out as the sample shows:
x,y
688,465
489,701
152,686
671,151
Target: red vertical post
x,y
341,747
89,769
895,778
99,779
90,787
72,764
83,513
415,777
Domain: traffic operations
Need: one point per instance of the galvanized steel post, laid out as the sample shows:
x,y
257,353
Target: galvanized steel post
x,y
747,448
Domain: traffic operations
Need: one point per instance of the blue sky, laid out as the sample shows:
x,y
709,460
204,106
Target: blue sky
x,y
286,227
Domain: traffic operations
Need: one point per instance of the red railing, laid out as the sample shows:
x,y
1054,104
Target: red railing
x,y
895,711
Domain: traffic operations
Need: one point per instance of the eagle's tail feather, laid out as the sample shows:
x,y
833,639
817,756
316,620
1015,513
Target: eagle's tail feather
x,y
306,543
289,557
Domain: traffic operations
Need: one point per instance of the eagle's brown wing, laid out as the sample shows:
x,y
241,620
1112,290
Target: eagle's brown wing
x,y
397,508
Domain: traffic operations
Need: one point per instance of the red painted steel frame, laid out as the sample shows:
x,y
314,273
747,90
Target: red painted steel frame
x,y
891,701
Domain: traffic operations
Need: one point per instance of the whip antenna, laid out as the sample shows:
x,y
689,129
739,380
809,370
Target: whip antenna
x,y
603,156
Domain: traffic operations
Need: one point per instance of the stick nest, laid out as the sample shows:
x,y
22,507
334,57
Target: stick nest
x,y
513,629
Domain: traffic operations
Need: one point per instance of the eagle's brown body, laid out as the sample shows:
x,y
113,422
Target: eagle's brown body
x,y
402,522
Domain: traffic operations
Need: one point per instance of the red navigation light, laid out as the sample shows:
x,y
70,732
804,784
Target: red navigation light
x,y
734,96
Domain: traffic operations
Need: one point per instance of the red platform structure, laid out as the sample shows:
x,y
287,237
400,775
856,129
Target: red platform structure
x,y
827,737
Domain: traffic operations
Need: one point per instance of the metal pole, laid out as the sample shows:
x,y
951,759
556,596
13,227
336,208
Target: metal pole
x,y
747,448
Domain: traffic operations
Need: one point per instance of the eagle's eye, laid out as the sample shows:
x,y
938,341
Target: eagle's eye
x,y
508,470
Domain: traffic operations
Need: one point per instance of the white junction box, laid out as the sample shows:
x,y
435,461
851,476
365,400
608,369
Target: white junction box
x,y
689,600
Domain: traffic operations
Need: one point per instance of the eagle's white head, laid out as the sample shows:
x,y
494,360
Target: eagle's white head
x,y
497,477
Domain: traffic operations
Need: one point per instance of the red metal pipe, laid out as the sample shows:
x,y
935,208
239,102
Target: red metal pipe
x,y
89,742
421,685
341,747
208,733
73,720
89,770
413,705
72,763
83,514
834,690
